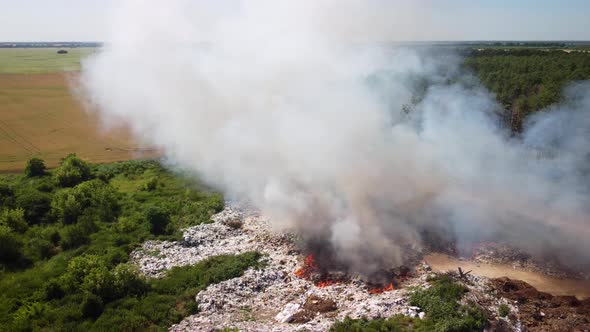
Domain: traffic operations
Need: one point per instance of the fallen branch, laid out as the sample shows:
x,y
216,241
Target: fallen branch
x,y
463,275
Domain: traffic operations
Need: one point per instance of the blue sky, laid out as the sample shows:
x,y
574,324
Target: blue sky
x,y
86,20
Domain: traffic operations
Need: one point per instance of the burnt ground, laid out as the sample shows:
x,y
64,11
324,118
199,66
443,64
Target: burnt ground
x,y
539,311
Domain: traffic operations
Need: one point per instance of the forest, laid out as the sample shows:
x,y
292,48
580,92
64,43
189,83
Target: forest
x,y
527,80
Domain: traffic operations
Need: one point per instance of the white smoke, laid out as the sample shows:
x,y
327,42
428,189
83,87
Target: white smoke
x,y
301,108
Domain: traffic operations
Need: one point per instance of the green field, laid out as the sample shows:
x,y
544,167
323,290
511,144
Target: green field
x,y
41,60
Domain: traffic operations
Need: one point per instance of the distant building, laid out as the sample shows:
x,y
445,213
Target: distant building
x,y
62,52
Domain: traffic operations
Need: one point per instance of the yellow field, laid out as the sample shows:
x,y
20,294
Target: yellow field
x,y
39,116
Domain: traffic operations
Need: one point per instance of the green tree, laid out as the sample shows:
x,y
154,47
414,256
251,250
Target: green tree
x,y
94,198
6,195
73,236
35,167
35,204
72,171
10,246
158,220
15,219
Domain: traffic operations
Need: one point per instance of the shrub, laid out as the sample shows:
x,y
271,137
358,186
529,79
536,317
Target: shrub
x,y
92,306
394,324
78,268
66,207
74,236
94,198
6,196
503,310
443,312
128,282
151,184
158,220
72,171
15,219
26,314
53,290
38,249
35,204
129,224
35,167
210,271
10,246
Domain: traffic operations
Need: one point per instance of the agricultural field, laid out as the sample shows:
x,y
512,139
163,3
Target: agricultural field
x,y
41,60
40,116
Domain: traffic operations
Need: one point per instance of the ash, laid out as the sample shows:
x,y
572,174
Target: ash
x,y
272,298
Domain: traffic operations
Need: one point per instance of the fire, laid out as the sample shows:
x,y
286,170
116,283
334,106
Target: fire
x,y
311,271
309,268
326,283
379,290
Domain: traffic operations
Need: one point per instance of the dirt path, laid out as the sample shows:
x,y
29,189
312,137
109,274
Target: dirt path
x,y
555,286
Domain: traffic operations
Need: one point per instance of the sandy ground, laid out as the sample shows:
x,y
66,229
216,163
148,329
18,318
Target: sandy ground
x,y
554,286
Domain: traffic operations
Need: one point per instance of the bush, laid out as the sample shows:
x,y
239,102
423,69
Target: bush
x,y
158,220
74,236
210,271
35,204
6,196
35,167
38,249
92,306
15,219
151,184
66,207
443,312
503,310
10,246
394,324
128,282
53,290
94,198
72,171
129,224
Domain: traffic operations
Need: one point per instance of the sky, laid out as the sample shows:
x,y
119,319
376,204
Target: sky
x,y
87,20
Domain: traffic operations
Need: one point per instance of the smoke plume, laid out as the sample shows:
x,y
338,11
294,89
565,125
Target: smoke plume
x,y
304,109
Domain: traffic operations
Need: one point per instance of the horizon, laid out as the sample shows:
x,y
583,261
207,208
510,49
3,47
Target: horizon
x,y
421,20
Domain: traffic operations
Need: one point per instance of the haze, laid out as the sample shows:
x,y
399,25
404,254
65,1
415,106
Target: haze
x,y
68,20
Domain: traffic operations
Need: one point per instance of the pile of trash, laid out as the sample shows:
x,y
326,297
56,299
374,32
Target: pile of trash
x,y
273,298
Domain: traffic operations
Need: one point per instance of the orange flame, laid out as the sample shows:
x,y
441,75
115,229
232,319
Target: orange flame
x,y
310,267
379,290
326,283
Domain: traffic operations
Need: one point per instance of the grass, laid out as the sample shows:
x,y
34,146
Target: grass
x,y
41,60
503,310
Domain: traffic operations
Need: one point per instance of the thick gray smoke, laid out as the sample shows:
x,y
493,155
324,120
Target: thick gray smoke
x,y
298,107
